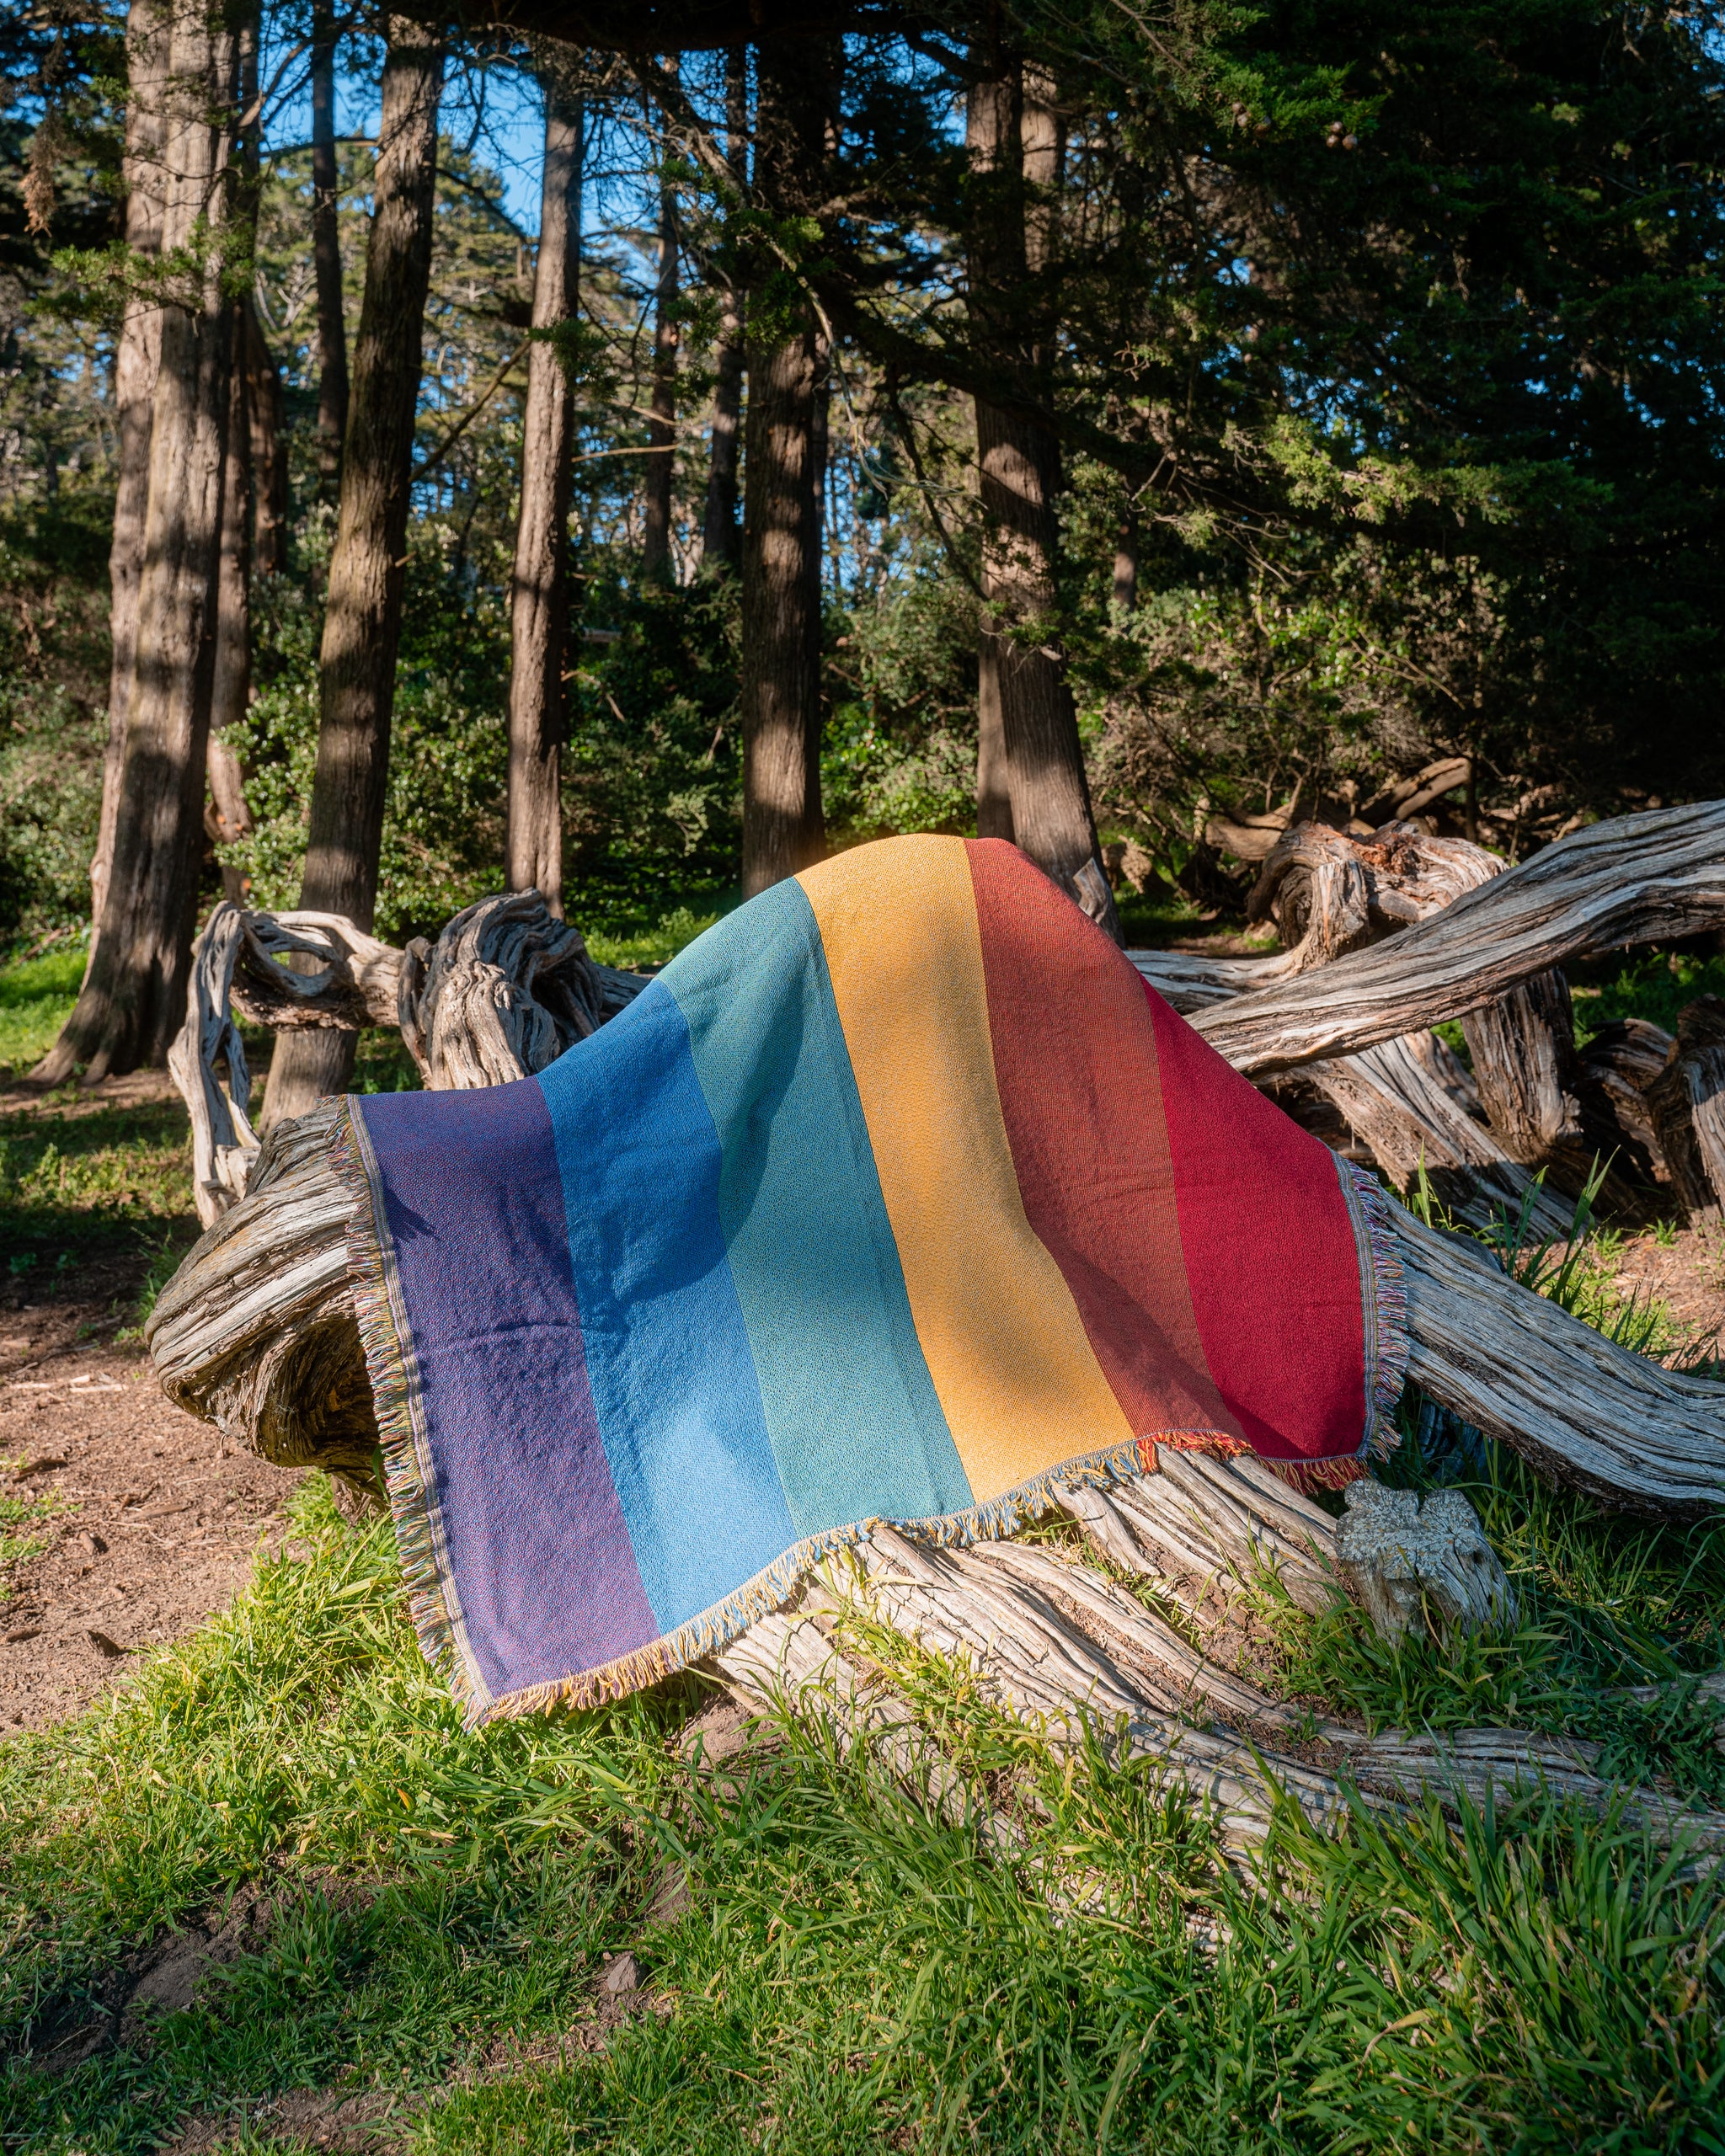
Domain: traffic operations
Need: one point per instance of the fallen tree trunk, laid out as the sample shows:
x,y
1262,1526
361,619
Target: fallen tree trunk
x,y
1637,879
1061,1648
505,989
1585,1413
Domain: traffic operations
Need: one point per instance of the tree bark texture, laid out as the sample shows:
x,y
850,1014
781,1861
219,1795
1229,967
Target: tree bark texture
x,y
661,423
228,818
721,541
1686,1100
783,830
269,448
133,998
1125,591
539,595
135,364
1016,150
362,618
994,787
326,254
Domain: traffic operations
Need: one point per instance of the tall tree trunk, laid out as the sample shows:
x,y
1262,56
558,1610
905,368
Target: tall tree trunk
x,y
721,543
783,830
133,1000
228,818
268,446
994,788
539,597
134,363
662,412
1014,137
362,617
326,254
1126,568
226,815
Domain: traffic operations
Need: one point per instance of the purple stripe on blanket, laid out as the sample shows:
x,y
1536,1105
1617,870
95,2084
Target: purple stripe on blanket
x,y
537,1547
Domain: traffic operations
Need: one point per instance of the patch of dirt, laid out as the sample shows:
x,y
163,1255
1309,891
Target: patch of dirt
x,y
154,1516
163,1977
366,2121
137,1089
1688,1277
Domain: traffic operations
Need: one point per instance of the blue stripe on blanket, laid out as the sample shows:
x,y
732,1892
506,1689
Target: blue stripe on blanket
x,y
855,1426
519,1491
668,1356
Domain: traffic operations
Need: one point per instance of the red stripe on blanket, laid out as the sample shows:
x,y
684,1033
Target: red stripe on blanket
x,y
1275,1281
1075,1063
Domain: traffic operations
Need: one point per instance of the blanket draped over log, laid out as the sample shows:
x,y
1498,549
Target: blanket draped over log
x,y
896,1197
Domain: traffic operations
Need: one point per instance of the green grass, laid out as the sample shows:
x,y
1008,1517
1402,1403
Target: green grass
x,y
74,1179
36,996
649,946
849,1975
1653,985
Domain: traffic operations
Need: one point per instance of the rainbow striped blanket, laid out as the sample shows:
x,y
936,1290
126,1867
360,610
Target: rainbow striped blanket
x,y
897,1196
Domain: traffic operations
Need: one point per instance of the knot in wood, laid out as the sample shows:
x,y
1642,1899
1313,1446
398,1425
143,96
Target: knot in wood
x,y
1397,1553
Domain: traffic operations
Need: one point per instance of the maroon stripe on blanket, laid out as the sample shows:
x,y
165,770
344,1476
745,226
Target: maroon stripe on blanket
x,y
1270,1251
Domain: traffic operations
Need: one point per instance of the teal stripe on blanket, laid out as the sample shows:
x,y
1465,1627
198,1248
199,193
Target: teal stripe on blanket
x,y
667,1354
851,1410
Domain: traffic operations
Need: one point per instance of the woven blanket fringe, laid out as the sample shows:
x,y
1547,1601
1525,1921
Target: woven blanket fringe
x,y
411,1503
714,1629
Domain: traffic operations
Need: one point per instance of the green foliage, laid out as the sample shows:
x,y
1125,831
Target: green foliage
x,y
1653,984
53,684
443,824
653,765
899,748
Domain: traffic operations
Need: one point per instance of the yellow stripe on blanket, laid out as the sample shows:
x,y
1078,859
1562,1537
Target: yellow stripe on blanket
x,y
1012,1367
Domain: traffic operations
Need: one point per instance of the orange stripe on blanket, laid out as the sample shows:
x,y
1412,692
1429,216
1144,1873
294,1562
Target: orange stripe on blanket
x,y
1080,1088
1007,1350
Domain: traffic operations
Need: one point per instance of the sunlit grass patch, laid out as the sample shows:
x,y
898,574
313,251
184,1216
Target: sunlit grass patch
x,y
848,1974
649,946
36,996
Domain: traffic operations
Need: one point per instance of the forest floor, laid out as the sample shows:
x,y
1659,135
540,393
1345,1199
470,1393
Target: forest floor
x,y
259,1888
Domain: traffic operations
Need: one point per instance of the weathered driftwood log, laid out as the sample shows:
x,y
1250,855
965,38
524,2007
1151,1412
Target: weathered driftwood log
x,y
1618,1066
242,961
1393,1101
1058,1646
1634,880
1411,1102
1330,892
256,1332
1686,1104
1399,1555
504,991
1585,1413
